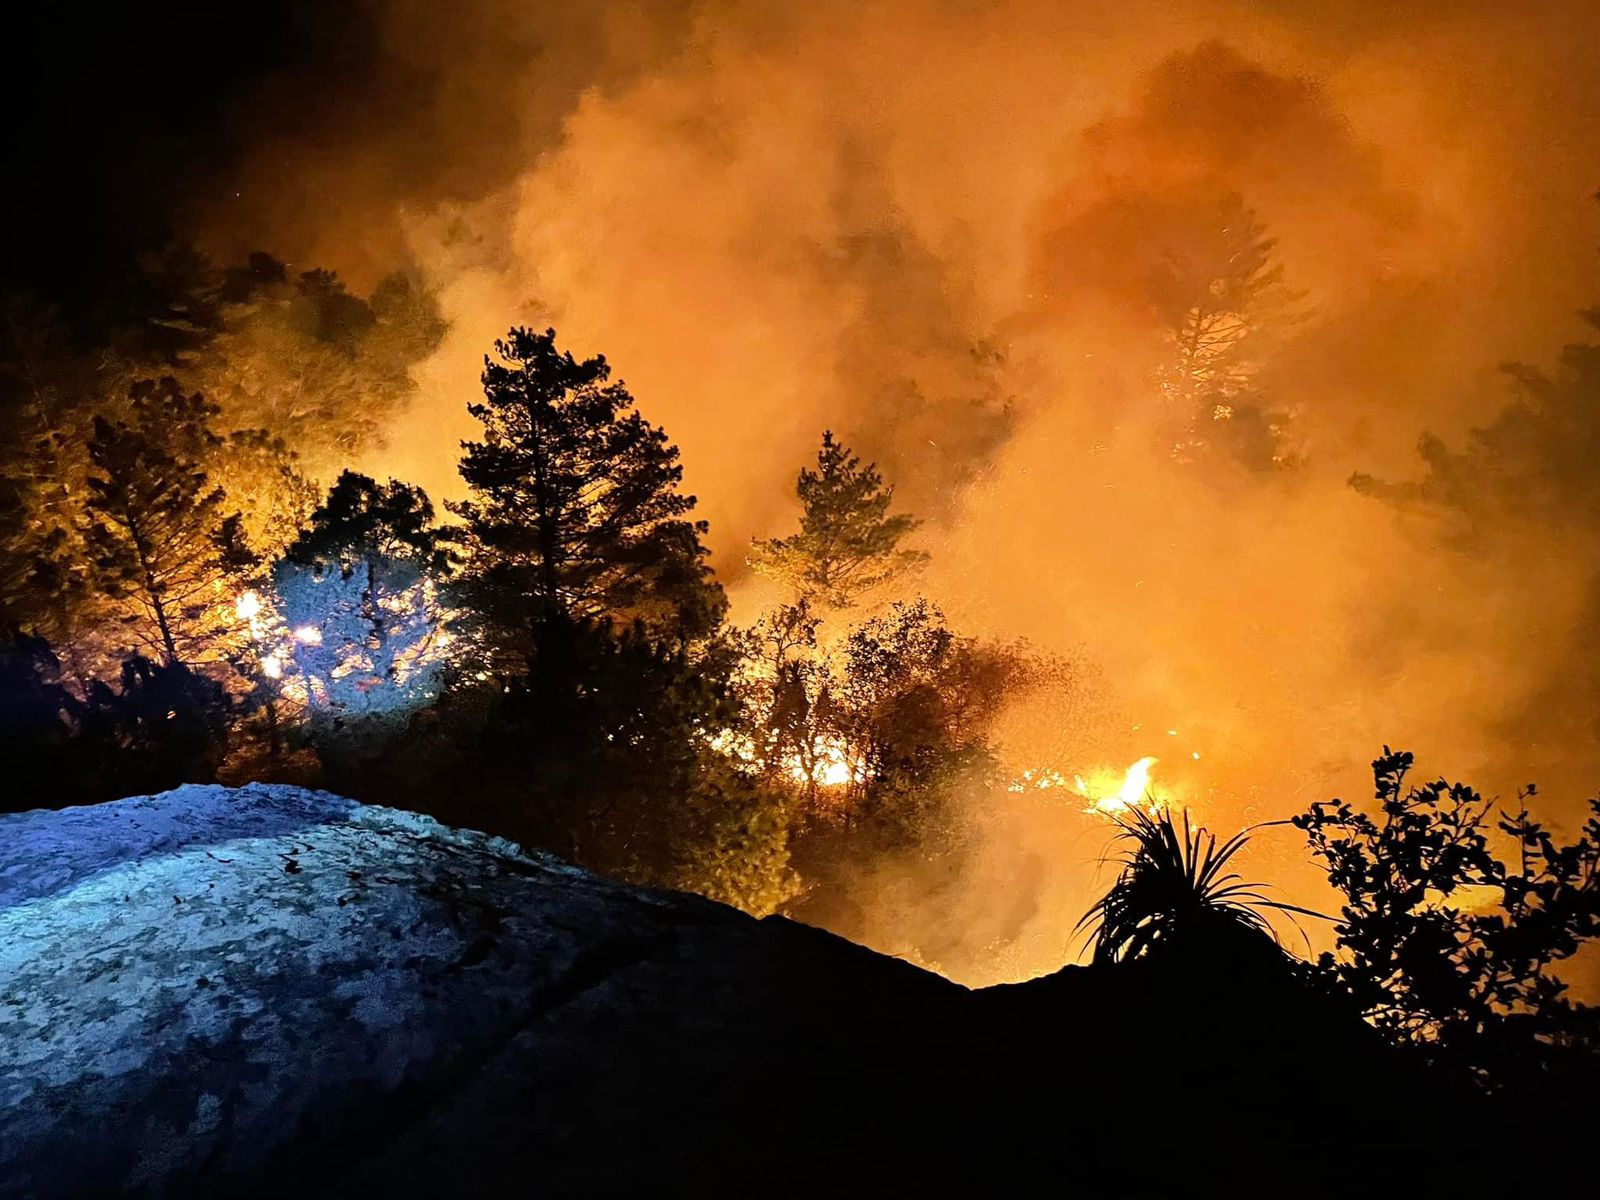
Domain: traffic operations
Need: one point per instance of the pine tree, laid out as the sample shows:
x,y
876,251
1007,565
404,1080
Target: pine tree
x,y
159,533
575,513
47,584
1218,295
288,360
264,481
848,543
1211,294
359,593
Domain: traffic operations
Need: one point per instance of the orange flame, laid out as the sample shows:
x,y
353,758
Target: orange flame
x,y
1111,796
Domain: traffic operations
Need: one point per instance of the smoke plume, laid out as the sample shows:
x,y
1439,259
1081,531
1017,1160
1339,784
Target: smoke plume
x,y
932,227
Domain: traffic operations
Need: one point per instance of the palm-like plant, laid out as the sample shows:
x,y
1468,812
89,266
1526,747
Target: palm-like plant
x,y
1175,882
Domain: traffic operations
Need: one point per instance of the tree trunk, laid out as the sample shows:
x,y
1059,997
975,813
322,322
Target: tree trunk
x,y
549,539
152,588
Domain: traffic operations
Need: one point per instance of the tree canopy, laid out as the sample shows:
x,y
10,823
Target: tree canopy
x,y
849,543
159,534
576,513
360,595
1445,946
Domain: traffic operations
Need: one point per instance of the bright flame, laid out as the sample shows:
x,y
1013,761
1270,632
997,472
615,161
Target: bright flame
x,y
272,667
832,767
308,635
1110,796
248,606
831,763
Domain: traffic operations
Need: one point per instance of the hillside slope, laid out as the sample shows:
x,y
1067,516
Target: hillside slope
x,y
267,989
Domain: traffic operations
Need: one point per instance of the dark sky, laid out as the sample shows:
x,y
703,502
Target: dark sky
x,y
115,110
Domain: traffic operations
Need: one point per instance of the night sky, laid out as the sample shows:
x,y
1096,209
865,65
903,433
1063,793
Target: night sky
x,y
116,112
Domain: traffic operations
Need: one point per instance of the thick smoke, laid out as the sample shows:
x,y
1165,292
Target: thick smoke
x,y
932,227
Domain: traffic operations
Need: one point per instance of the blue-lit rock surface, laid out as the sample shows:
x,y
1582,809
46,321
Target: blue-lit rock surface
x,y
213,986
275,992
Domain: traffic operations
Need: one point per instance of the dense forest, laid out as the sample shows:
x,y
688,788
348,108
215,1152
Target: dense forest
x,y
195,586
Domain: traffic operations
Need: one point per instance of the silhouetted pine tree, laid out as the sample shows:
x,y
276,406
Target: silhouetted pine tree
x,y
1218,293
159,535
362,520
575,512
849,542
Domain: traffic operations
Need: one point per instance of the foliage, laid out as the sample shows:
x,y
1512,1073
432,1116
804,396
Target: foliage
x,y
322,368
915,702
782,683
603,752
1533,462
1524,479
166,725
296,372
1175,887
576,514
848,543
169,308
47,583
729,839
876,737
1444,946
163,726
873,735
35,731
265,484
1217,294
163,498
360,593
160,536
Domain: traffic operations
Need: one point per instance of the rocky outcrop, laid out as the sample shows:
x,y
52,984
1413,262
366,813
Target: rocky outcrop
x,y
274,991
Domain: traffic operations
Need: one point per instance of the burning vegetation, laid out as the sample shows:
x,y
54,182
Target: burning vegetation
x,y
1058,461
561,636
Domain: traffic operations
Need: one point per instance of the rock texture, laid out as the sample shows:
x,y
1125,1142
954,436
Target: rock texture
x,y
271,991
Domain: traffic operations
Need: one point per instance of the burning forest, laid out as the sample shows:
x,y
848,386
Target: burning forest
x,y
926,470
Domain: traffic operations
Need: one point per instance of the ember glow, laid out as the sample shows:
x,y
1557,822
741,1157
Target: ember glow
x,y
831,764
1110,796
834,765
916,541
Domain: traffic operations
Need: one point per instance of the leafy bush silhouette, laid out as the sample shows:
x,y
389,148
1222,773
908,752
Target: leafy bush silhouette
x,y
166,725
35,720
1175,886
1447,949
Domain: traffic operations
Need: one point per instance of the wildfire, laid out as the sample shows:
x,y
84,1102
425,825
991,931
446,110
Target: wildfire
x,y
831,766
1110,796
1107,791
